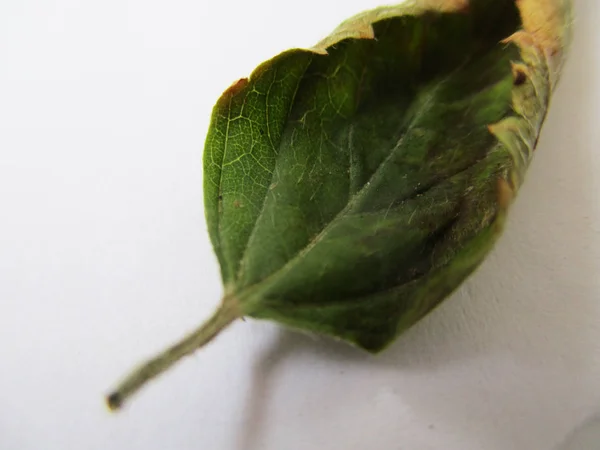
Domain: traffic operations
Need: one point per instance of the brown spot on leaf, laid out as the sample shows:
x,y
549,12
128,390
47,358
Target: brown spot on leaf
x,y
447,5
236,87
519,74
230,92
505,193
366,32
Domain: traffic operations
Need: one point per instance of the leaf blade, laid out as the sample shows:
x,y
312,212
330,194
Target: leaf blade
x,y
362,146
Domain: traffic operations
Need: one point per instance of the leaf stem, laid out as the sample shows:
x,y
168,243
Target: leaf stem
x,y
221,319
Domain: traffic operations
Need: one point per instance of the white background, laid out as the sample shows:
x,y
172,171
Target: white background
x,y
105,258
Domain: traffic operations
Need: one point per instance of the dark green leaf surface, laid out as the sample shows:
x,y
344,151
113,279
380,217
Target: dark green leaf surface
x,y
349,193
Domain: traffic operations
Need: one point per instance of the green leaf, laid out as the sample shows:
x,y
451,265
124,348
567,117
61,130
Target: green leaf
x,y
349,193
351,187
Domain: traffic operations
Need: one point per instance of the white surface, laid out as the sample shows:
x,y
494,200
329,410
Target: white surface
x,y
585,437
105,259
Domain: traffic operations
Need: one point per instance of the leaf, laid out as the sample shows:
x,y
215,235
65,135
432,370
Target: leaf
x,y
349,188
